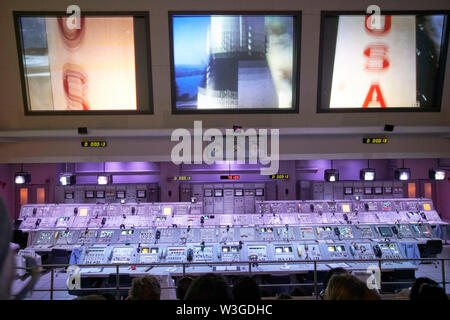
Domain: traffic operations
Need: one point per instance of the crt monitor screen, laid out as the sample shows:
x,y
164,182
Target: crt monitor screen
x,y
141,194
89,194
100,64
68,195
220,60
385,231
348,190
391,64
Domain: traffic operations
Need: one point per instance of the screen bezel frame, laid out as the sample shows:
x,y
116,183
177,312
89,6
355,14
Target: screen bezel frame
x,y
28,112
440,77
296,14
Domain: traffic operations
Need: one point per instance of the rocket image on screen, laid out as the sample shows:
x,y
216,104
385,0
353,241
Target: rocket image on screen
x,y
221,61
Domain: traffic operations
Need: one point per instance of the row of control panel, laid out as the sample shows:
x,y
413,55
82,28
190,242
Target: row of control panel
x,y
282,252
269,213
266,234
281,231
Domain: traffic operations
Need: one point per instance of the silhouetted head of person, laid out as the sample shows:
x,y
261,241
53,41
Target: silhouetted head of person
x,y
208,287
246,289
348,287
298,292
183,286
427,289
91,297
145,288
331,273
108,296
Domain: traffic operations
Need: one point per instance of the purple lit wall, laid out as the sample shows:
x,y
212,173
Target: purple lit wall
x,y
348,169
146,172
135,166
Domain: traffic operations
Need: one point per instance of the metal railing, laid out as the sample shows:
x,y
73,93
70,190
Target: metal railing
x,y
252,265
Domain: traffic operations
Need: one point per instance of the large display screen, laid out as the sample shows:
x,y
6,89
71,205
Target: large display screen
x,y
98,63
394,63
234,62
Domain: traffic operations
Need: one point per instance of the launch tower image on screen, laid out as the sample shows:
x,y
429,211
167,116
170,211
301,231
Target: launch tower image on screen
x,y
237,65
233,61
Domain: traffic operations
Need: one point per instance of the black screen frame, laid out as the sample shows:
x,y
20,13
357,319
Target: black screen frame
x,y
439,78
17,15
297,15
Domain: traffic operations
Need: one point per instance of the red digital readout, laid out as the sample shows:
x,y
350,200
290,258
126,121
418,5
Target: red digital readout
x,y
230,177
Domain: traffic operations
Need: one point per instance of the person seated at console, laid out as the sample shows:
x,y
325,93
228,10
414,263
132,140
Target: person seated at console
x,y
208,287
183,286
145,288
349,287
246,289
327,277
426,289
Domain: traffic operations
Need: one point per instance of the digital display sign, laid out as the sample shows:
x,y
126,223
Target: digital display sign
x,y
220,60
182,178
397,64
94,144
279,176
100,65
375,140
